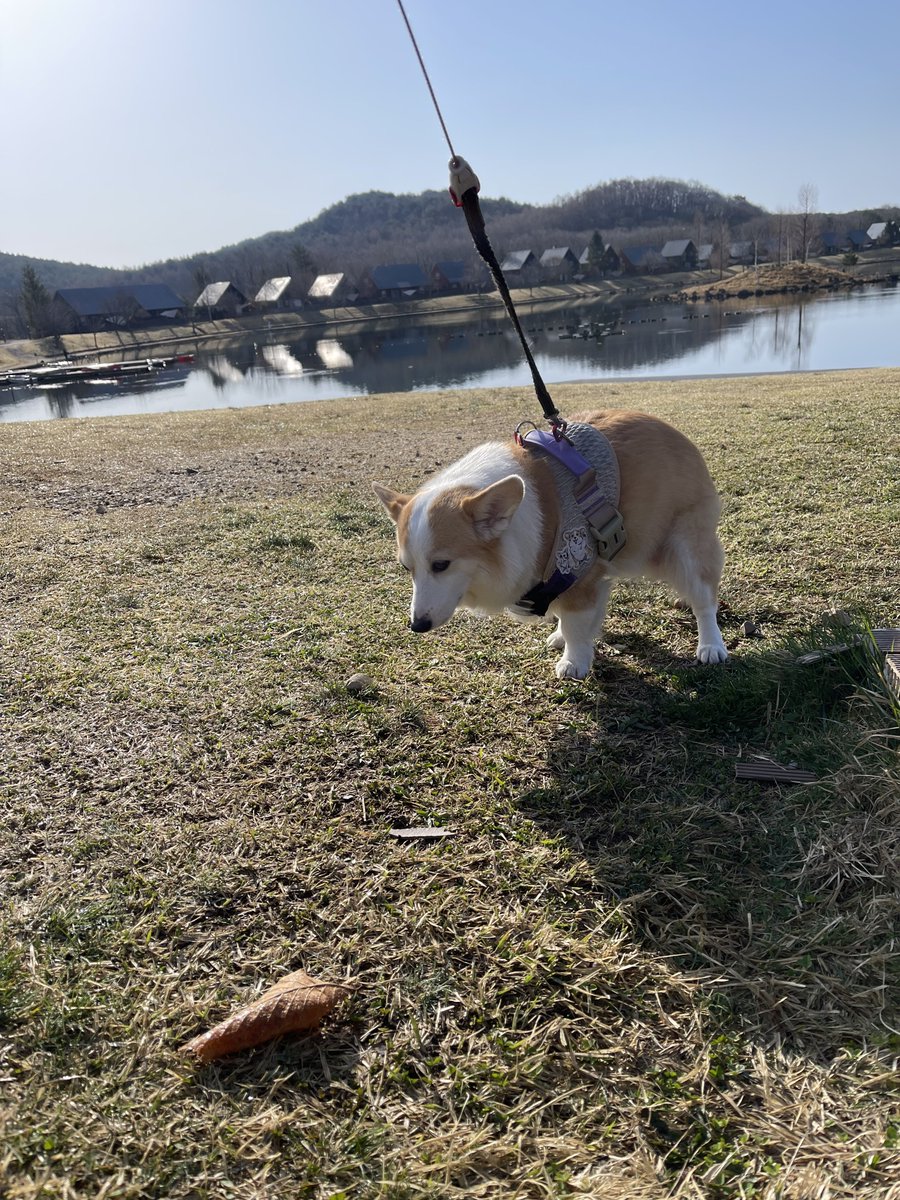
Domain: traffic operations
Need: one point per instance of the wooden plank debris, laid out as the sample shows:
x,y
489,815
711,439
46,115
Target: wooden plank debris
x,y
765,770
887,641
892,672
816,656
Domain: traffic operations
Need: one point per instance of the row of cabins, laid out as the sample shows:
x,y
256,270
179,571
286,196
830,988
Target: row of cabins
x,y
397,281
684,255
125,305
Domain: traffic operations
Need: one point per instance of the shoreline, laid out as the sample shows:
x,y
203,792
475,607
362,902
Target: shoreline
x,y
684,286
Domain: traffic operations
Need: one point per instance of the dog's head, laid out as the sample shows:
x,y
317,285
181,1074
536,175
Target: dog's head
x,y
448,539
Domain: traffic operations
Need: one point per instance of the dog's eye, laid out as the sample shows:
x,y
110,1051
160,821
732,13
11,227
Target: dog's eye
x,y
439,566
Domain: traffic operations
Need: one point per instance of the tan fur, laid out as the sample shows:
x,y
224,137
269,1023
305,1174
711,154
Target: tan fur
x,y
468,553
454,532
663,477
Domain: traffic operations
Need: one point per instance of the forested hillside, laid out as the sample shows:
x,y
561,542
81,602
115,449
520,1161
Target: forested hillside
x,y
377,227
374,228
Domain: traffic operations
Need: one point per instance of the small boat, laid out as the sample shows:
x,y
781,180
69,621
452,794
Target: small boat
x,y
70,372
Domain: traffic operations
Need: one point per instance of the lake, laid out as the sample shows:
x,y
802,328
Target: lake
x,y
585,342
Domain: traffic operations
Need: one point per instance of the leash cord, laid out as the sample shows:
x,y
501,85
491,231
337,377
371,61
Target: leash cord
x,y
475,221
437,107
471,207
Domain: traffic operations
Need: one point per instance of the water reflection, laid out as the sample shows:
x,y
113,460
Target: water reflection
x,y
587,342
280,359
333,354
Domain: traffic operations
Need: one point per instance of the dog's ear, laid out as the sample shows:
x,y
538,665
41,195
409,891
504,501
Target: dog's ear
x,y
394,502
491,509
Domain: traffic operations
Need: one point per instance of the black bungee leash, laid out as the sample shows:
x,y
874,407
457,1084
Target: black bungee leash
x,y
464,188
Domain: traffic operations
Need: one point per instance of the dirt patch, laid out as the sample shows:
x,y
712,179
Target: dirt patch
x,y
770,279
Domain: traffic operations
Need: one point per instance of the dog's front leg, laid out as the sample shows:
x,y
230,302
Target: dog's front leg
x,y
577,634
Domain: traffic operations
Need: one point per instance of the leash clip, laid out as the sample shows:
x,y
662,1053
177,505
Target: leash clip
x,y
518,436
557,427
462,179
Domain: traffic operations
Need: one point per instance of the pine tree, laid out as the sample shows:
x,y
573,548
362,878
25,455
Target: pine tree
x,y
596,251
303,262
36,302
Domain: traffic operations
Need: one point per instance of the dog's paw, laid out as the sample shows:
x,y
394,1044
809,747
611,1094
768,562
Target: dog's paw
x,y
573,668
713,652
556,641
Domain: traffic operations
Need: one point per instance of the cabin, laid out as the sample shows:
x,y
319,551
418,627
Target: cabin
x,y
280,294
220,299
449,276
120,305
741,252
857,239
883,233
609,261
397,281
518,261
831,242
704,254
641,260
332,289
558,263
680,255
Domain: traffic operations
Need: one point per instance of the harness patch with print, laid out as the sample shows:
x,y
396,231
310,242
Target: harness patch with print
x,y
586,473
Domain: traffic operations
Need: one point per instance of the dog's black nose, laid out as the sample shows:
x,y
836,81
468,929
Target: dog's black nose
x,y
420,625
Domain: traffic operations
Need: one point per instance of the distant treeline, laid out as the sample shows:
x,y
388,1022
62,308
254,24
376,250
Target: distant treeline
x,y
374,228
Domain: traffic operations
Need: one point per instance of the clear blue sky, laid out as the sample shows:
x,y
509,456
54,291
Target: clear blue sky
x,y
135,130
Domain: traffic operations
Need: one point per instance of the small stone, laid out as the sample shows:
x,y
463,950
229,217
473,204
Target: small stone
x,y
751,630
838,616
358,684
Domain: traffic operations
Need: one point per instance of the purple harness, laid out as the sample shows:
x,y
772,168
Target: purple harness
x,y
602,517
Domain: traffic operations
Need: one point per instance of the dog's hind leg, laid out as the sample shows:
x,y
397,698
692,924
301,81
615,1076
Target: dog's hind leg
x,y
577,633
693,566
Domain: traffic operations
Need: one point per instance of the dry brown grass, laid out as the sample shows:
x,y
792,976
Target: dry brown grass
x,y
627,975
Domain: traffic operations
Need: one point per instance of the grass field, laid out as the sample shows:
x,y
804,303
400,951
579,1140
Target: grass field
x,y
626,974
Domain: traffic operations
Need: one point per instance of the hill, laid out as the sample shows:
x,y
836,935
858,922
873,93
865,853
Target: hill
x,y
376,227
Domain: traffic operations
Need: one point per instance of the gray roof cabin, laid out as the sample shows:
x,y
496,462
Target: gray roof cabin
x,y
449,275
120,304
641,258
398,279
681,253
333,288
221,297
517,260
558,256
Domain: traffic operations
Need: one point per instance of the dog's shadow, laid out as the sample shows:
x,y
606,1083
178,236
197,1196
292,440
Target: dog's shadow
x,y
715,873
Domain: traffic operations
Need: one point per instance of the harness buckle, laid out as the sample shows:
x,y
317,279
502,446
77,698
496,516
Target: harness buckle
x,y
610,535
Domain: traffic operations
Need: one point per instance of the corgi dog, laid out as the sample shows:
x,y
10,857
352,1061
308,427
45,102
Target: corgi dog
x,y
479,535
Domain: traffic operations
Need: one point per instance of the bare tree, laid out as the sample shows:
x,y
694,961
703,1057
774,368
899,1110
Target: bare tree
x,y
808,197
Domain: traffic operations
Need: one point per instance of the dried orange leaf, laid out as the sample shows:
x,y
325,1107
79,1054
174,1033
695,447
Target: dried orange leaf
x,y
296,1003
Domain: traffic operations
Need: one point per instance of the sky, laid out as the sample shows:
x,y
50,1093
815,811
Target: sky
x,y
139,130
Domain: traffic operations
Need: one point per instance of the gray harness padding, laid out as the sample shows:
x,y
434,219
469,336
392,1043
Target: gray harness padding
x,y
576,545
